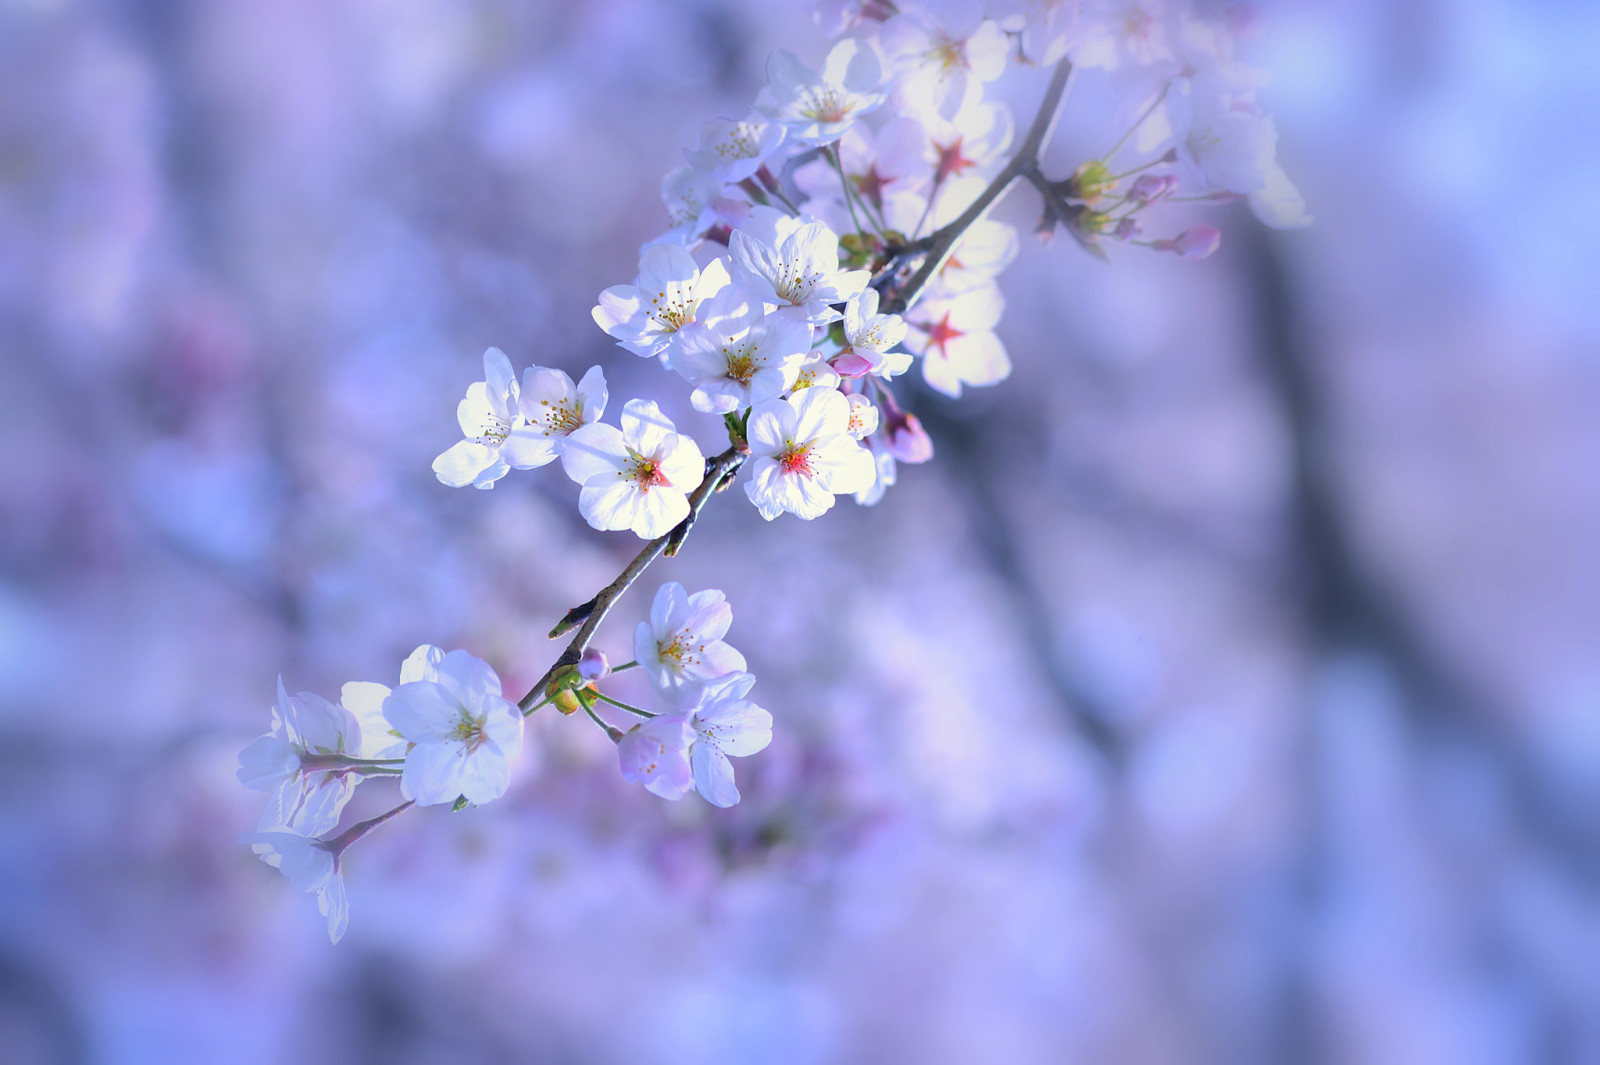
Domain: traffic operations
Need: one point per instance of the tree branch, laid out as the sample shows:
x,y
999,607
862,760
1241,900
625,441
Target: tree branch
x,y
720,472
939,245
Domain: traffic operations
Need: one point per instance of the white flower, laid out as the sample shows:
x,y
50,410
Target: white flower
x,y
955,338
681,647
1220,144
638,478
311,866
869,336
883,468
738,354
816,372
307,796
878,165
725,724
646,316
975,136
863,417
655,755
818,108
802,454
794,263
464,732
733,150
693,200
497,437
364,699
1125,33
940,63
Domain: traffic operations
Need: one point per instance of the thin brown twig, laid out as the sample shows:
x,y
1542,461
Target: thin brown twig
x,y
719,473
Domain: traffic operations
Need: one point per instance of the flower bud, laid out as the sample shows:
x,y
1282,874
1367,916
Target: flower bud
x,y
1127,229
1090,182
566,701
1197,242
909,441
1152,187
593,665
849,365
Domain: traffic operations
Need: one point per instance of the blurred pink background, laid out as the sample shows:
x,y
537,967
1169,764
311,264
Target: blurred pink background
x,y
1227,690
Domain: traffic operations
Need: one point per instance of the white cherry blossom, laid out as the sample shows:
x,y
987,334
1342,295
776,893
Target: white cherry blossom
x,y
646,316
732,150
498,439
464,733
868,338
818,107
637,478
863,417
794,263
655,755
311,866
681,647
555,408
725,725
1221,143
802,454
364,699
298,763
940,55
738,354
955,337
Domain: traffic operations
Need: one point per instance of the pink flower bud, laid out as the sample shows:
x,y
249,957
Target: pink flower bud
x,y
1127,229
1197,242
593,665
909,441
849,365
1152,187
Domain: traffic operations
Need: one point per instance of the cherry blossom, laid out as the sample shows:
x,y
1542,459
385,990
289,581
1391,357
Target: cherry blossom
x,y
311,866
941,55
738,355
655,755
646,316
637,478
301,763
681,646
732,150
955,338
364,699
498,439
795,263
463,732
818,108
802,454
1219,145
863,417
725,725
868,338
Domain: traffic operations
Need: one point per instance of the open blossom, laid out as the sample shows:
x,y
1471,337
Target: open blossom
x,y
364,699
655,755
695,203
681,647
802,454
818,108
868,338
738,354
311,866
956,340
863,417
1221,144
498,438
939,62
646,316
794,263
879,165
725,725
307,792
464,733
732,150
637,478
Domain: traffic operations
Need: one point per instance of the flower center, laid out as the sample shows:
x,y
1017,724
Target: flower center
x,y
941,333
742,367
826,104
469,732
646,473
559,418
796,458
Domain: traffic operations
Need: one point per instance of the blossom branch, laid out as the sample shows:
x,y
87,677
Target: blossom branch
x,y
940,244
720,472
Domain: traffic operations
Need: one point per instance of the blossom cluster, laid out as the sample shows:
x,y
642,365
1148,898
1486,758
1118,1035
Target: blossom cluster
x,y
449,736
817,248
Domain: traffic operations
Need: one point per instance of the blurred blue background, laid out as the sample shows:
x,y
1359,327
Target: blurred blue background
x,y
1227,690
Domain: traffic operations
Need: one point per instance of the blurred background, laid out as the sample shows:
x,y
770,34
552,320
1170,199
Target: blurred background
x,y
1227,690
